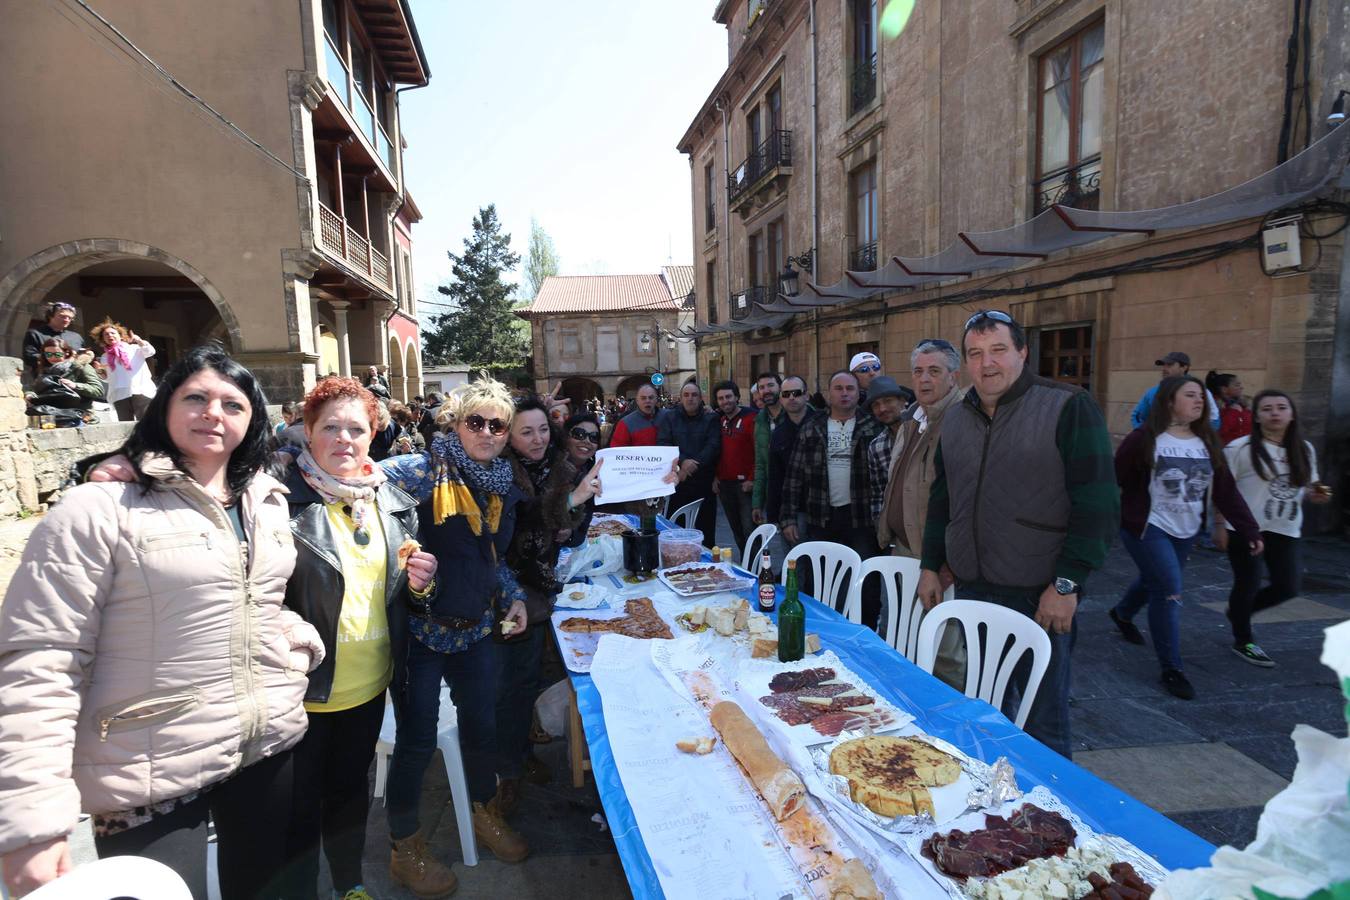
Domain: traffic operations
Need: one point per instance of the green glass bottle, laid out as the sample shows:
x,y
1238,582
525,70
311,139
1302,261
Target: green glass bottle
x,y
648,523
791,620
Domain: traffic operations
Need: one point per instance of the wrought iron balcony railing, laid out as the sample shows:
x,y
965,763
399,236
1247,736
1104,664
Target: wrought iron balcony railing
x,y
774,153
1078,186
743,302
862,83
863,258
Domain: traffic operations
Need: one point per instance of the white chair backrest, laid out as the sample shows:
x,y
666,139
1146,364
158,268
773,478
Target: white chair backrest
x,y
900,611
756,544
834,574
1007,636
685,516
131,877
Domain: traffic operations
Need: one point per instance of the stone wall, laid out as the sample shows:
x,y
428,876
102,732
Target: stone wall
x,y
34,463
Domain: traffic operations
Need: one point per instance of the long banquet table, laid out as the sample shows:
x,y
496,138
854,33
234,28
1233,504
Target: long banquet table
x,y
972,725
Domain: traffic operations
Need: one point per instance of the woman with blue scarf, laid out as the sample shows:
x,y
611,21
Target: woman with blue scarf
x,y
468,517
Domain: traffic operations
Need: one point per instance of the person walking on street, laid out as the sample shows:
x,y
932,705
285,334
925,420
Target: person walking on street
x,y
767,420
934,368
827,479
149,692
1023,504
1168,469
638,428
697,431
781,445
887,404
736,463
1235,419
1172,365
1275,469
57,317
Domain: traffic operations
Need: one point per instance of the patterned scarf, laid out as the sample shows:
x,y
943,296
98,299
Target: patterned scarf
x,y
358,492
115,354
459,478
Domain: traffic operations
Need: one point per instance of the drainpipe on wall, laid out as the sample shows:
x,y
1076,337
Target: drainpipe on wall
x,y
726,228
815,176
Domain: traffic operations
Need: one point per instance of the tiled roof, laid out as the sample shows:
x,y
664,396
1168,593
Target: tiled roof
x,y
602,293
680,280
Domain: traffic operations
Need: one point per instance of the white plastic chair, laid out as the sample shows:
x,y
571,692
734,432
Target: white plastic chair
x,y
834,572
686,515
755,545
989,665
129,877
447,739
901,611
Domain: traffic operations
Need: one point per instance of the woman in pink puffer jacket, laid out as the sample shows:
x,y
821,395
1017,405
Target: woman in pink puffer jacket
x,y
149,674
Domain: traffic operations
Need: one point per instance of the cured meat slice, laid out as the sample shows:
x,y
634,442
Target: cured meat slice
x,y
1003,844
789,681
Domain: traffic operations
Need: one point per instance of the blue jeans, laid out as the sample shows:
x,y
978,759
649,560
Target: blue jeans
x,y
1161,559
472,676
1048,721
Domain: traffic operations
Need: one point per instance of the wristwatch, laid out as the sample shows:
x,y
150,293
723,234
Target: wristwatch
x,y
1064,586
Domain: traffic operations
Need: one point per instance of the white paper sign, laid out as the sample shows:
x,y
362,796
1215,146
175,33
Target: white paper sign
x,y
635,473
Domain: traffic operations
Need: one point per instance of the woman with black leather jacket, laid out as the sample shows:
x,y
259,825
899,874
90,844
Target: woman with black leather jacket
x,y
351,582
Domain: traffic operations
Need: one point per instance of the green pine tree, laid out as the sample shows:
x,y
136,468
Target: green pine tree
x,y
481,329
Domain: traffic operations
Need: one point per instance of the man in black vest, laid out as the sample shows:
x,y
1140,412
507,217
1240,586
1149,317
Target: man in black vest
x,y
1023,504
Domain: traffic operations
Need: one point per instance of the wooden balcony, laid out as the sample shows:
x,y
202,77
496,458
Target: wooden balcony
x,y
344,243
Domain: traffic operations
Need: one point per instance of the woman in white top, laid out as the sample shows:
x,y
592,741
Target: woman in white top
x,y
130,387
1275,468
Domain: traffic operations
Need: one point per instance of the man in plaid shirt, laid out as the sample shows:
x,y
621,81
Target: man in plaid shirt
x,y
827,478
887,401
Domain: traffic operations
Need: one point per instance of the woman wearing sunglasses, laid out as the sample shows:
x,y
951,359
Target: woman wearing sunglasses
x,y
63,381
581,438
468,517
556,511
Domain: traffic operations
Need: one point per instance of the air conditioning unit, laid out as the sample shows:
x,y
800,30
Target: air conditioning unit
x,y
1281,249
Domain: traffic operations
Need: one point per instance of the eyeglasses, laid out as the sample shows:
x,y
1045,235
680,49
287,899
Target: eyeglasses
x,y
792,392
994,314
585,434
476,422
869,367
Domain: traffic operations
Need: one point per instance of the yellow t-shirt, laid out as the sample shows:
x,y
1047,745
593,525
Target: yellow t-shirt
x,y
365,663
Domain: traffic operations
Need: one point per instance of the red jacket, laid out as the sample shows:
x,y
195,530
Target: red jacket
x,y
635,430
737,462
1235,421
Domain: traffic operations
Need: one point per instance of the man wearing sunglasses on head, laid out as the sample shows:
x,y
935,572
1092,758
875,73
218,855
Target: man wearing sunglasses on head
x,y
57,315
1023,504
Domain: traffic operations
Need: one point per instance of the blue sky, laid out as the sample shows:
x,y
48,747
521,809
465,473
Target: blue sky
x,y
565,111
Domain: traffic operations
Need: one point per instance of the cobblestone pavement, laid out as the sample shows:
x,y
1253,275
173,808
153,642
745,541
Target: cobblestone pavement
x,y
1209,764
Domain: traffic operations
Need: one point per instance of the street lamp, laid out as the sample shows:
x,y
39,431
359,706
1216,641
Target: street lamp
x,y
788,282
645,342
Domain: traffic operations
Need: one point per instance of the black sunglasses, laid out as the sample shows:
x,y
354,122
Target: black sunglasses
x,y
792,392
994,314
476,422
583,434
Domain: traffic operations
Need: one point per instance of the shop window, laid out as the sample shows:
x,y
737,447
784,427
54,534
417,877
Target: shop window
x,y
1066,355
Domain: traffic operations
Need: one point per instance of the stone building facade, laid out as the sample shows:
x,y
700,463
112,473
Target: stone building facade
x,y
606,335
839,139
270,213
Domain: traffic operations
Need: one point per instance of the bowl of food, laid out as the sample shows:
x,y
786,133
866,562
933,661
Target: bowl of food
x,y
681,545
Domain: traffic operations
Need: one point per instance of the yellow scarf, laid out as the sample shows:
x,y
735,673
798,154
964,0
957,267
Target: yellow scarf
x,y
453,498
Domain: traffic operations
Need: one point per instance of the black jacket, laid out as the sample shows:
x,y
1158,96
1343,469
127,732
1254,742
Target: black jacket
x,y
467,563
533,554
699,437
315,589
781,444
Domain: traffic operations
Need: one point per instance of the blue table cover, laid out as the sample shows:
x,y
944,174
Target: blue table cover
x,y
972,725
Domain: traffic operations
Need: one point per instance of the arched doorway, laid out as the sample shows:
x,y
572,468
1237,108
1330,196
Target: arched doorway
x,y
398,383
578,390
160,297
629,386
412,369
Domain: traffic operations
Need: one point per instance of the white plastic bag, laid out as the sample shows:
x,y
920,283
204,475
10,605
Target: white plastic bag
x,y
551,708
601,555
1304,833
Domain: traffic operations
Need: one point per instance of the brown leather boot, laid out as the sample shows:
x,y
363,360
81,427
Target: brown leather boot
x,y
491,830
412,865
508,795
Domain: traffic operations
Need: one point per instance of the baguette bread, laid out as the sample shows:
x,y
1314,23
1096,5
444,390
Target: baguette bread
x,y
776,782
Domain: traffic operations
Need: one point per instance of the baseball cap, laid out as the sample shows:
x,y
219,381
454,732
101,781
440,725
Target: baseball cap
x,y
1176,356
863,358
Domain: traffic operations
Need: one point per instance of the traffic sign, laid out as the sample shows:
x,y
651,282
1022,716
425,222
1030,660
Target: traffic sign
x,y
658,379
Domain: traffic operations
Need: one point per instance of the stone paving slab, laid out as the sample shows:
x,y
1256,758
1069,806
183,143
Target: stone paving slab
x,y
1181,778
1297,609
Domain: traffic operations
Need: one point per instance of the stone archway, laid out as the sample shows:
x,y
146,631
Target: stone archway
x,y
398,382
629,386
578,390
412,368
25,287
